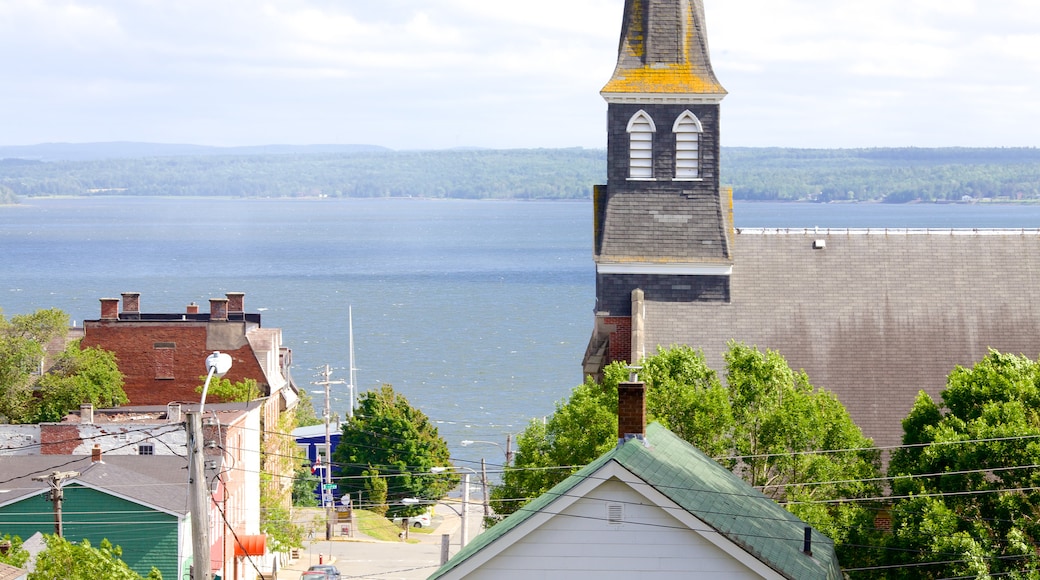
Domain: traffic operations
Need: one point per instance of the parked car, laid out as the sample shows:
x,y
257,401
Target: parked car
x,y
314,575
419,521
330,572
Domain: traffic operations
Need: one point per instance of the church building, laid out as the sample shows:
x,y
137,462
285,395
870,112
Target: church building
x,y
873,315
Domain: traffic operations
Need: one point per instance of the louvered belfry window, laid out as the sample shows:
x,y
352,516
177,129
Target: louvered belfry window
x,y
687,146
641,146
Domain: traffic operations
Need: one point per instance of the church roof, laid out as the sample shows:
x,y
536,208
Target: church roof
x,y
703,488
663,226
663,49
872,316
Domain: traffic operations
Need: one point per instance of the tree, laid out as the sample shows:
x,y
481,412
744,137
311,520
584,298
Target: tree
x,y
12,552
22,342
79,376
227,392
389,437
65,560
967,481
767,424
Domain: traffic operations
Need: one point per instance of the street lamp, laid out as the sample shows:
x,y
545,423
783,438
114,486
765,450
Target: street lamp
x,y
217,364
465,497
507,451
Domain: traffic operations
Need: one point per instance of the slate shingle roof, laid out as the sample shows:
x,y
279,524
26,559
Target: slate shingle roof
x,y
873,318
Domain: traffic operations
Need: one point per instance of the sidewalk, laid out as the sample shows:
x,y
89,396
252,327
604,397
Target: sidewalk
x,y
366,558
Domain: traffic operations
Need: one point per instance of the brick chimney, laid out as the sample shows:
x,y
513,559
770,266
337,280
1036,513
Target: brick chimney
x,y
236,302
95,454
132,303
193,308
86,414
109,309
631,410
218,308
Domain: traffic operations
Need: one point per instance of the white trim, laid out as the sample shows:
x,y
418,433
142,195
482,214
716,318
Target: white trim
x,y
687,115
662,98
666,269
581,491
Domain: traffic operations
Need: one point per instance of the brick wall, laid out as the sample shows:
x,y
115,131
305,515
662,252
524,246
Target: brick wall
x,y
163,361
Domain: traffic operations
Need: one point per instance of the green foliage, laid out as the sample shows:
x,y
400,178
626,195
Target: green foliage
x,y
767,423
389,436
376,489
12,552
896,175
304,484
276,519
973,503
470,174
582,428
64,560
76,377
7,196
305,414
227,392
89,375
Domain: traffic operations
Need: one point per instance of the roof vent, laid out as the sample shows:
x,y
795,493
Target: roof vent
x,y
819,244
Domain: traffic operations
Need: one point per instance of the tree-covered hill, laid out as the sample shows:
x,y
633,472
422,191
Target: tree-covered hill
x,y
885,174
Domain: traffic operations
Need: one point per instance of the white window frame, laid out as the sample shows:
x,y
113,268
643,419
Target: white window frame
x,y
687,130
641,130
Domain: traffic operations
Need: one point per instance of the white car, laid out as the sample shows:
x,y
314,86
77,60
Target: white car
x,y
420,521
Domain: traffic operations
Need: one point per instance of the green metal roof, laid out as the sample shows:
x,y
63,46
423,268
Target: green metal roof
x,y
706,490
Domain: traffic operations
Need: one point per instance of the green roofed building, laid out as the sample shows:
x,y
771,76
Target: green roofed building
x,y
139,503
653,507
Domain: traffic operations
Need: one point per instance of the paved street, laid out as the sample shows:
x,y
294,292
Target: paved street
x,y
362,558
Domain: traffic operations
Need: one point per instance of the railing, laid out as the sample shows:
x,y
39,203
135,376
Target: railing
x,y
890,231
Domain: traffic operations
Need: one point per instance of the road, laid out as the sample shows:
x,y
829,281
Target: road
x,y
362,558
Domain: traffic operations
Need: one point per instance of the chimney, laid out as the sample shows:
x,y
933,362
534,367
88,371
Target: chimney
x,y
86,414
131,303
95,454
193,308
218,308
173,412
807,542
631,410
109,309
236,302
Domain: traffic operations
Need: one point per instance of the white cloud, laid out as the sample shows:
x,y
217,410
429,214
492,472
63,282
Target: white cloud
x,y
447,73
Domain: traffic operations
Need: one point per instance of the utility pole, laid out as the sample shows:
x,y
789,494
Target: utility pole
x,y
199,503
57,494
326,488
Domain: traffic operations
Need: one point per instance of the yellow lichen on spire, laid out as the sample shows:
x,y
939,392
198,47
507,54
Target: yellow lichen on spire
x,y
673,78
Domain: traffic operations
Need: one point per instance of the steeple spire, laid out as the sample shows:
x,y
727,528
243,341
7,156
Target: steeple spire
x,y
664,50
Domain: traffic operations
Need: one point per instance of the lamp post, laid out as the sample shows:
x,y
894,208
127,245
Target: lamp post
x,y
465,498
507,450
217,364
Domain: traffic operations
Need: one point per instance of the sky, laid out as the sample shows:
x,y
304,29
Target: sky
x,y
436,74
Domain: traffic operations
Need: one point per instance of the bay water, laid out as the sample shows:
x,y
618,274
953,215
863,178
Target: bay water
x,y
477,311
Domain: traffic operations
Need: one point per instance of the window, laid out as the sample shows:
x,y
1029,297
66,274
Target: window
x,y
164,359
687,131
146,449
641,146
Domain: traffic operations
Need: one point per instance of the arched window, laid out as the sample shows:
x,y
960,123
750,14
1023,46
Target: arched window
x,y
641,146
687,131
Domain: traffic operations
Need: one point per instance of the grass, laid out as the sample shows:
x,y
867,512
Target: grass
x,y
377,527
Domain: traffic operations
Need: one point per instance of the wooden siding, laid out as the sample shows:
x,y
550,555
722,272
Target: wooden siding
x,y
581,543
148,537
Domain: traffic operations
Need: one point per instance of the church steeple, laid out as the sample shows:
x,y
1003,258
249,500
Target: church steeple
x,y
662,222
664,49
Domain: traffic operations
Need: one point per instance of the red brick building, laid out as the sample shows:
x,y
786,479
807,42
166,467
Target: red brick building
x,y
162,355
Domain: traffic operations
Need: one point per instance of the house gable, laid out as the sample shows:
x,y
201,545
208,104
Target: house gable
x,y
704,507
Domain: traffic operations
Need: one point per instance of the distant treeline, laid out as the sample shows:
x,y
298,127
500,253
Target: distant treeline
x,y
892,175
